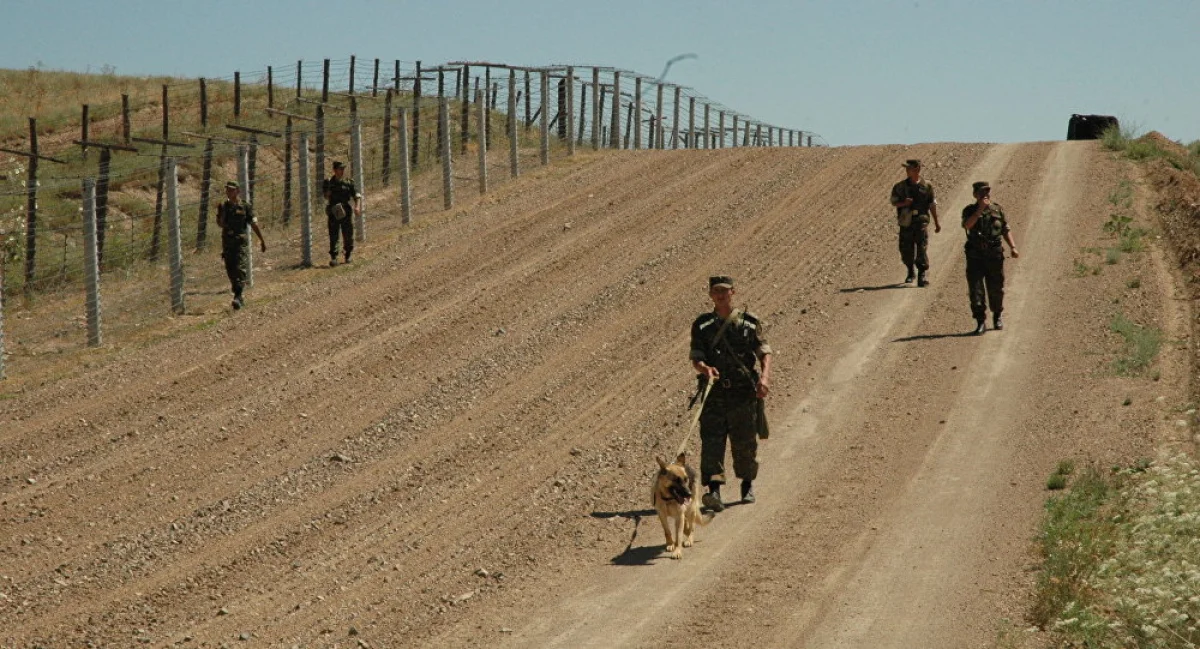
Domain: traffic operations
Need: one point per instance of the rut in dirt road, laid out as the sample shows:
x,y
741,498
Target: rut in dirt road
x,y
450,445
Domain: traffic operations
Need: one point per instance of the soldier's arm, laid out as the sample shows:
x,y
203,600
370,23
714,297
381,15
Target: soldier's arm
x,y
221,215
698,357
897,201
261,241
1007,234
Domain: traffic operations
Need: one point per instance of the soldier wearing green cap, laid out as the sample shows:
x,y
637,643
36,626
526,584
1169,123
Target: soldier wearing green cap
x,y
236,219
986,227
343,200
915,203
725,346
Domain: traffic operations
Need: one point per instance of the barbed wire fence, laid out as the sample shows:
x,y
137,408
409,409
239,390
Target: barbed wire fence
x,y
107,196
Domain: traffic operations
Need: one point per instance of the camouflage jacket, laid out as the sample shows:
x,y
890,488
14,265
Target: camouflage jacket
x,y
923,199
984,238
235,220
734,356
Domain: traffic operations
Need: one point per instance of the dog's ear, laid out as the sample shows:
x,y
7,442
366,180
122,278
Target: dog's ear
x,y
662,464
682,459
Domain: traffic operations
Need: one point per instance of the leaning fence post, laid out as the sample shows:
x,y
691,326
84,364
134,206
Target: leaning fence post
x,y
237,95
444,147
658,117
91,262
305,205
721,130
243,167
360,233
386,172
481,127
203,104
175,253
691,137
707,130
514,168
405,185
545,117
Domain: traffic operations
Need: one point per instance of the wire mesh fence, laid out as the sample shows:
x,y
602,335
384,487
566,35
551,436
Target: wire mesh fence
x,y
531,115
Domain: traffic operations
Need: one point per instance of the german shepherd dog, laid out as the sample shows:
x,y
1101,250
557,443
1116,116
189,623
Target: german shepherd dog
x,y
674,496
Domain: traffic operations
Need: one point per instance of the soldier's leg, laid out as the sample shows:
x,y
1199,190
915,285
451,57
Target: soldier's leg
x,y
743,439
921,246
975,287
243,271
713,431
334,230
907,247
348,234
995,285
229,256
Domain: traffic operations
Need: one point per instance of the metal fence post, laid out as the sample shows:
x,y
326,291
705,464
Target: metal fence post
x,y
91,262
675,122
360,233
691,136
707,130
721,130
405,184
733,131
444,147
658,116
569,113
305,204
174,236
637,113
614,130
596,118
514,167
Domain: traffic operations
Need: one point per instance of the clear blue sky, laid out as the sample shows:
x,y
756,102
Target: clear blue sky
x,y
855,71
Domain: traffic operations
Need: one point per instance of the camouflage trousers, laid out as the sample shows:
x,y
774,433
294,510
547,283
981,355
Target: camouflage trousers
x,y
737,421
985,284
914,245
344,227
237,265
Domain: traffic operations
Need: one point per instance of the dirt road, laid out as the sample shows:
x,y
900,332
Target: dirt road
x,y
452,444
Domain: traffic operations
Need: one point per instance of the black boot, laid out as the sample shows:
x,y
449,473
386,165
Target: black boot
x,y
747,492
980,327
908,279
997,322
922,280
712,499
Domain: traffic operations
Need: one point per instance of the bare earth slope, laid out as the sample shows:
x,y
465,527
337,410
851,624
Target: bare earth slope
x,y
452,445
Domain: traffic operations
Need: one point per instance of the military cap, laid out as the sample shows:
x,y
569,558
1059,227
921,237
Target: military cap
x,y
912,163
720,281
979,185
232,184
338,164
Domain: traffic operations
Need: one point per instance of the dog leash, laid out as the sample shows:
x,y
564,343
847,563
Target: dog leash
x,y
695,418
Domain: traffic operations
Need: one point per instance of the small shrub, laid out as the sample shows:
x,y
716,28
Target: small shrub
x,y
1065,467
1135,282
1112,256
1141,345
1056,482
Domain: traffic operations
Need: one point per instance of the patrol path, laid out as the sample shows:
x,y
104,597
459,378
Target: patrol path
x,y
452,445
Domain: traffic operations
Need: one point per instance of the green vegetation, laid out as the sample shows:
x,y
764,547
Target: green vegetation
x,y
1126,141
1141,345
1120,559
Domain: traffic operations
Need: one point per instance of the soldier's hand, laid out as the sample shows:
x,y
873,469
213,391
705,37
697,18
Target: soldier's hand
x,y
763,388
1014,252
937,227
905,203
985,201
264,245
710,372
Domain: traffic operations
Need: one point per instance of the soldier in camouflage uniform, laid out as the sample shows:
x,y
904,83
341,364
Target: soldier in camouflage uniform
x,y
986,226
914,202
236,218
343,201
725,345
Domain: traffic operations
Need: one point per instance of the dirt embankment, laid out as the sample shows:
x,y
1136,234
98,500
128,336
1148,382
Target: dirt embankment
x,y
451,442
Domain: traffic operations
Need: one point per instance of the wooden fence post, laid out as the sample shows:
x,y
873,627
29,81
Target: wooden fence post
x,y
629,123
243,170
287,172
125,126
637,113
490,102
320,152
675,121
528,103
746,137
156,237
237,96
325,82
734,131
596,117
31,191
174,243
569,113
385,174
203,104
514,168
614,133
350,86
441,128
83,130
691,138
91,264
396,78
270,87
481,127
356,157
707,130
721,130
465,98
416,125
299,77
583,104
305,204
405,183
375,81
205,189
545,117
444,147
658,119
